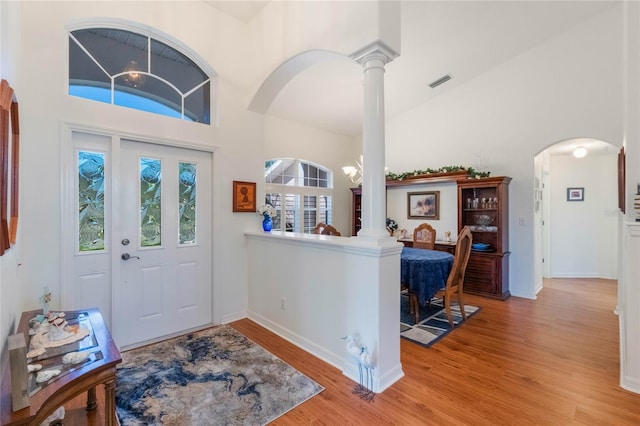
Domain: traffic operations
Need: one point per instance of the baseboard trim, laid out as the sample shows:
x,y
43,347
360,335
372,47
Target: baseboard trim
x,y
302,342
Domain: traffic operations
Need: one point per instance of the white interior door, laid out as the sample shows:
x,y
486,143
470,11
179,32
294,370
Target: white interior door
x,y
164,246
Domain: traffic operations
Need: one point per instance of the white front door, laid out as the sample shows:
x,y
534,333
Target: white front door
x,y
152,203
165,242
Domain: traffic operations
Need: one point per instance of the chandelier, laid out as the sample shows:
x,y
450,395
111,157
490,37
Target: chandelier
x,y
354,173
134,76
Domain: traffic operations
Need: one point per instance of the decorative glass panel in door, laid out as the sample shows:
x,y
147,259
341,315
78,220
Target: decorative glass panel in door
x,y
150,202
90,201
187,202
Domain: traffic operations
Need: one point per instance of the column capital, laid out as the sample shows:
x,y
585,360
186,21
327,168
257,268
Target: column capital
x,y
376,50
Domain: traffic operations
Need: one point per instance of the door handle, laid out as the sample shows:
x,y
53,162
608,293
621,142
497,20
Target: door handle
x,y
127,256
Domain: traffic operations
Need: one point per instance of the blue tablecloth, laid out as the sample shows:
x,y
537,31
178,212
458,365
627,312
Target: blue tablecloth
x,y
424,271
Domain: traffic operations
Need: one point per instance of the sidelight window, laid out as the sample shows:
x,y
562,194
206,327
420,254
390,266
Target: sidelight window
x,y
91,201
187,202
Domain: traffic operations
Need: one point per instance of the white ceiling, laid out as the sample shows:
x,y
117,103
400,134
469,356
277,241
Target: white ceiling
x,y
242,10
461,38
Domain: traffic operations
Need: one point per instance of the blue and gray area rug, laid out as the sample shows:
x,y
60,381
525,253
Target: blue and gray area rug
x,y
213,377
433,324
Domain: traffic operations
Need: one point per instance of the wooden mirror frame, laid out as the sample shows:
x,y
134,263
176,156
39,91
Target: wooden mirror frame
x,y
9,159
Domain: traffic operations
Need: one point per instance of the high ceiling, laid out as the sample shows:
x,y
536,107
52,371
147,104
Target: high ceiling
x,y
460,38
239,9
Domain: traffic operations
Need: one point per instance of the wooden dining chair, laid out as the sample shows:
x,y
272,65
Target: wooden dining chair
x,y
319,228
330,230
454,285
324,229
424,237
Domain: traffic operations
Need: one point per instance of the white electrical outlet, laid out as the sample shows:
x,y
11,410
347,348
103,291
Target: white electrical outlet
x,y
282,303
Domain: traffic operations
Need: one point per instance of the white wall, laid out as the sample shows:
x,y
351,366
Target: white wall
x,y
10,288
628,307
241,60
314,289
448,221
45,105
584,234
500,120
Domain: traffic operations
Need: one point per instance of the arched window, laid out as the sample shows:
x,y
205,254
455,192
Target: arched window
x,y
301,193
137,71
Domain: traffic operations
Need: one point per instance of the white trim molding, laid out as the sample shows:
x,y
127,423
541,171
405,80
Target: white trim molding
x,y
628,309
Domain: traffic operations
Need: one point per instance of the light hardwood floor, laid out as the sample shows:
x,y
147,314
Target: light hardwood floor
x,y
550,361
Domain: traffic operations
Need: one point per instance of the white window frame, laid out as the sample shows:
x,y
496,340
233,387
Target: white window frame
x,y
296,188
153,33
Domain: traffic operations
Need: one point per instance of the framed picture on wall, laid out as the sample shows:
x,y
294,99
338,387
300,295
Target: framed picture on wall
x,y
244,196
575,194
423,205
622,179
9,161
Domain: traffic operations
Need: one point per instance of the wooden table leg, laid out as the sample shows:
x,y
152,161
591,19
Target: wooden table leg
x,y
415,306
91,399
110,402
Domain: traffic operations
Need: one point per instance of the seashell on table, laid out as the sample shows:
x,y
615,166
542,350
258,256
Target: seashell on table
x,y
46,375
75,357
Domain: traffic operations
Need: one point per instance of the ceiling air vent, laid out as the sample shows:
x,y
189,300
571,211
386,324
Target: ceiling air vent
x,y
439,81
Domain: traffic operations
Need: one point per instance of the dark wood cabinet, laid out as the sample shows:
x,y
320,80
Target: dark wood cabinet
x,y
483,206
448,247
356,211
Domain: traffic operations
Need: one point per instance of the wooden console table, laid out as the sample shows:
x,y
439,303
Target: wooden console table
x,y
85,378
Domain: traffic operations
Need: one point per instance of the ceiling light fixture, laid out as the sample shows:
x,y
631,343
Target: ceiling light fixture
x,y
580,152
134,76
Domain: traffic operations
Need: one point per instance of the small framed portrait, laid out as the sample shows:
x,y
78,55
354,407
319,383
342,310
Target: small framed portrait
x,y
575,194
423,205
244,196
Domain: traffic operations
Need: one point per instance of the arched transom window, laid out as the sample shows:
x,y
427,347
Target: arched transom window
x,y
301,193
137,71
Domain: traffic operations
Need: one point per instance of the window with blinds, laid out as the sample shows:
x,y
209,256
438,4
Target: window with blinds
x,y
300,191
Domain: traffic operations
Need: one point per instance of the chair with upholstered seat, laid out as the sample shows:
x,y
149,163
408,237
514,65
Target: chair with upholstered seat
x,y
454,285
325,229
424,237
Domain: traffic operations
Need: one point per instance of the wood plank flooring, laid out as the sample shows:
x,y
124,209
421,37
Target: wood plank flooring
x,y
550,361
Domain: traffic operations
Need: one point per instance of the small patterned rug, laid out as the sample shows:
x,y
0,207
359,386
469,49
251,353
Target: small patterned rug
x,y
213,377
433,324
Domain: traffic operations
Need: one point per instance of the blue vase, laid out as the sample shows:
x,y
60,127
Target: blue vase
x,y
267,224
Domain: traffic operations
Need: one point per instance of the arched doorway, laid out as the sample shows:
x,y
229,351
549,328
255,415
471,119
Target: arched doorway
x,y
576,211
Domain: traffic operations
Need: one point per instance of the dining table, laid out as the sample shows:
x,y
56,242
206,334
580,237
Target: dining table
x,y
423,272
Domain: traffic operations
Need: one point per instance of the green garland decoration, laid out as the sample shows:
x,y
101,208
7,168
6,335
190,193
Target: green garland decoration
x,y
471,172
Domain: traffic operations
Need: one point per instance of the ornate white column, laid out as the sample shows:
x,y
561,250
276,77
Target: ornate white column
x,y
373,59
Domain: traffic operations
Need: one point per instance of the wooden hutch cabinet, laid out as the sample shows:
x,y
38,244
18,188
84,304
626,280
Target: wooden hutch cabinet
x,y
356,210
483,206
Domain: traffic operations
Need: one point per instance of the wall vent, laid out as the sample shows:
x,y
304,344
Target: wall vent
x,y
440,81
